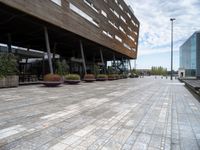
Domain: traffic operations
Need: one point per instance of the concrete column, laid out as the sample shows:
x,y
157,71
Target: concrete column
x,y
102,60
123,66
54,56
28,49
9,43
43,66
130,65
48,49
114,61
83,57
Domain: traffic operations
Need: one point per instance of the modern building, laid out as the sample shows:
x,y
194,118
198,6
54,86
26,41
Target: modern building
x,y
80,31
190,57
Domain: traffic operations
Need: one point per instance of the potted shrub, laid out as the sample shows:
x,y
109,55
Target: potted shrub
x,y
52,80
117,76
8,70
102,77
89,78
111,77
124,76
133,75
121,76
72,79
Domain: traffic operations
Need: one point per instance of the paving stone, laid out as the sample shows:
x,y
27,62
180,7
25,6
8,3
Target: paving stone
x,y
144,113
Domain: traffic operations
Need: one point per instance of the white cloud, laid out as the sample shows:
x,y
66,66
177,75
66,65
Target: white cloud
x,y
155,27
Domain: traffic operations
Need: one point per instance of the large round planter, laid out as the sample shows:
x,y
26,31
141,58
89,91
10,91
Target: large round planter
x,y
111,79
101,79
89,80
72,81
9,81
52,83
3,82
12,81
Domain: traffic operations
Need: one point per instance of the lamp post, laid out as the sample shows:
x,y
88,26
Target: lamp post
x,y
172,19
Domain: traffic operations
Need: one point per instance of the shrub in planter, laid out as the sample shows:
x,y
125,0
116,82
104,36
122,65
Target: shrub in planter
x,y
89,78
121,76
133,75
111,77
117,76
52,80
102,77
124,76
8,70
72,79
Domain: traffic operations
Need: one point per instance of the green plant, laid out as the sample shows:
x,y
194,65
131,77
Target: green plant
x,y
96,70
117,76
121,76
8,65
135,72
124,76
159,71
111,76
62,67
133,75
89,76
72,77
52,77
102,76
110,70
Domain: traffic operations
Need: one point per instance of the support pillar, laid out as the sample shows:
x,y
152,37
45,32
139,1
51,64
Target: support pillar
x,y
123,66
54,56
114,61
9,43
28,49
48,49
43,66
83,57
130,65
102,60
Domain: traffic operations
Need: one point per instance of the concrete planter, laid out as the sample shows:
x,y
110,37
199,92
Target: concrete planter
x,y
52,83
9,81
72,81
2,82
101,79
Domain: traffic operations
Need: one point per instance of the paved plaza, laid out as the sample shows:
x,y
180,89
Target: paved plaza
x,y
138,114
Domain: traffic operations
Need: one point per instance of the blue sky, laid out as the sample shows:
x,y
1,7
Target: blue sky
x,y
154,16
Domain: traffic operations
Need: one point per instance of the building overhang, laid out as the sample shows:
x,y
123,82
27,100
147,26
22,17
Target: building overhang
x,y
27,30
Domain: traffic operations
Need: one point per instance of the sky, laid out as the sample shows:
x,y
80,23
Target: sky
x,y
155,29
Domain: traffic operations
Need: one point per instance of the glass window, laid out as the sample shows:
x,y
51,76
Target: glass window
x,y
58,2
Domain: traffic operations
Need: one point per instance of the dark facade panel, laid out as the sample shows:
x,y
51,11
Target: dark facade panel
x,y
109,23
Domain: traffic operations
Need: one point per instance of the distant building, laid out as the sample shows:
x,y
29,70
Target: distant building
x,y
190,57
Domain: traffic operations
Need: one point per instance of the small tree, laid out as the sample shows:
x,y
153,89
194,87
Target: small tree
x,y
158,71
62,68
8,65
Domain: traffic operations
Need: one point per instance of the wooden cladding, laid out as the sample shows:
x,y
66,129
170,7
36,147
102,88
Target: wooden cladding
x,y
110,23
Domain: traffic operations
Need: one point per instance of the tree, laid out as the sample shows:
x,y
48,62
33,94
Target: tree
x,y
159,71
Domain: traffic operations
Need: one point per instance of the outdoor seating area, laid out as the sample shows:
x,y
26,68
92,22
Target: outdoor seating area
x,y
193,84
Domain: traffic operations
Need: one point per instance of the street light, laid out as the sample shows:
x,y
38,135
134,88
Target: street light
x,y
172,19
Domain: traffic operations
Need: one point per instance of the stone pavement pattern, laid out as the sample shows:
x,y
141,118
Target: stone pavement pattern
x,y
126,114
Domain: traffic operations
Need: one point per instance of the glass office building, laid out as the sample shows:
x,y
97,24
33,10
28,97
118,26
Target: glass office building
x,y
190,56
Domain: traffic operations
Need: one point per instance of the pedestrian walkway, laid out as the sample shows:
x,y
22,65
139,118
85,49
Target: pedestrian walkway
x,y
138,114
